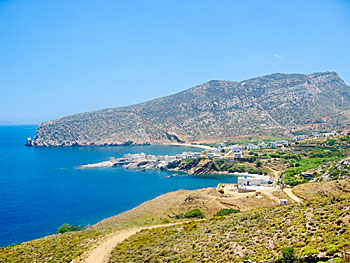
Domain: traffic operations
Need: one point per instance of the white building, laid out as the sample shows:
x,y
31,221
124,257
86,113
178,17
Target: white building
x,y
180,156
249,181
138,157
197,155
252,147
170,158
237,151
300,138
284,142
214,155
283,201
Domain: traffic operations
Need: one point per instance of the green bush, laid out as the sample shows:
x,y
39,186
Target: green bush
x,y
179,216
288,255
227,211
194,213
68,228
258,163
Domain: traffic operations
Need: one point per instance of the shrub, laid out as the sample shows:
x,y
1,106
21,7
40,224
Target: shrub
x,y
68,228
194,213
242,169
258,163
179,216
227,211
288,255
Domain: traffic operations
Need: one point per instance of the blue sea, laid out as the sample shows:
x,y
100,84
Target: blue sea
x,y
40,189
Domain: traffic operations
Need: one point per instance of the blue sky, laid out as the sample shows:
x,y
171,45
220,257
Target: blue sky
x,y
63,57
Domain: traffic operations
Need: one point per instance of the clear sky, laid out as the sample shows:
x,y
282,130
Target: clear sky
x,y
63,57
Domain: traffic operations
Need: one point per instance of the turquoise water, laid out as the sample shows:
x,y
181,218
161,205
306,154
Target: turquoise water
x,y
40,189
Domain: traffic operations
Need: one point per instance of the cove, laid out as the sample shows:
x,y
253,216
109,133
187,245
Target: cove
x,y
40,190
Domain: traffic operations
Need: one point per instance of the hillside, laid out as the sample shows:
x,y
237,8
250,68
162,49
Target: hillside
x,y
320,225
212,111
318,230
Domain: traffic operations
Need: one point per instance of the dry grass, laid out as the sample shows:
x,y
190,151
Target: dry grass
x,y
312,191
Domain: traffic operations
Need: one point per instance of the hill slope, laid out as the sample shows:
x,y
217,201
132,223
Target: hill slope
x,y
216,109
318,230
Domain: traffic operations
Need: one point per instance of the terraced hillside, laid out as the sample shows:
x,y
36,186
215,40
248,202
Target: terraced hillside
x,y
212,111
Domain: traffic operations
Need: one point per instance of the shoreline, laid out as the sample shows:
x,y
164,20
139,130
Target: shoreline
x,y
112,163
188,145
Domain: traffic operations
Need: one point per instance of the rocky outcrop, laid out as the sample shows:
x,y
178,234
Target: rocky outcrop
x,y
339,171
195,166
212,111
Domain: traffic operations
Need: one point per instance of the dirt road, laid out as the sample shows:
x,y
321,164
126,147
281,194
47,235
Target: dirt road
x,y
289,192
101,253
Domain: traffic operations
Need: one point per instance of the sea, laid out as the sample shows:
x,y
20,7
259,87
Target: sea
x,y
40,189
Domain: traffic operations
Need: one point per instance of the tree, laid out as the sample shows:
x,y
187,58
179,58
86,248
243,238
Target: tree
x,y
288,255
68,228
194,213
258,163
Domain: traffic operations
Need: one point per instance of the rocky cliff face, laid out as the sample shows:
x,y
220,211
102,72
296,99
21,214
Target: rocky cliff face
x,y
214,110
195,166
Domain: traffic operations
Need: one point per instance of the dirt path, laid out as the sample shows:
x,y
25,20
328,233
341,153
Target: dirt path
x,y
101,253
290,193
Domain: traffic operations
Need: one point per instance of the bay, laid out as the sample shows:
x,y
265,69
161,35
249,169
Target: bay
x,y
40,189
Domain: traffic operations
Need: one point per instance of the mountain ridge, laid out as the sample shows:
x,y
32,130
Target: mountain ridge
x,y
217,109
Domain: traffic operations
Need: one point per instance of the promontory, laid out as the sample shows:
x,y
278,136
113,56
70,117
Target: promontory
x,y
216,110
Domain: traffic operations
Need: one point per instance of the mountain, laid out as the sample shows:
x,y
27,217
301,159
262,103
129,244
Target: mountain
x,y
217,109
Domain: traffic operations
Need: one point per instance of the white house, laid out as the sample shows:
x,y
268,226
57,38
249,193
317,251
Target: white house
x,y
151,157
249,181
283,201
138,157
284,142
214,155
197,155
215,150
169,158
180,156
300,138
237,151
252,147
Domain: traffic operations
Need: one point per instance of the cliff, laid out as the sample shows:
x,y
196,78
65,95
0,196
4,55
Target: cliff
x,y
214,110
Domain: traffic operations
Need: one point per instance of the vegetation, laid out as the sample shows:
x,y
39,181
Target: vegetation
x,y
288,255
56,248
227,211
310,157
312,230
194,213
68,228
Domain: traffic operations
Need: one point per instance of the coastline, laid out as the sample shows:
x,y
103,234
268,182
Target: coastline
x,y
204,147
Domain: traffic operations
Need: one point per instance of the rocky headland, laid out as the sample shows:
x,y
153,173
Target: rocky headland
x,y
213,111
192,166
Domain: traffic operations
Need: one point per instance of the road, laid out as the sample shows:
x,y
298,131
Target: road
x,y
101,253
290,193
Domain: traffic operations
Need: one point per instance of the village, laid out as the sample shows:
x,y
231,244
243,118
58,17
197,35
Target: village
x,y
190,162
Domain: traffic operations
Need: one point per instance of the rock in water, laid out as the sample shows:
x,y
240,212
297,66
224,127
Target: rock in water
x,y
29,142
